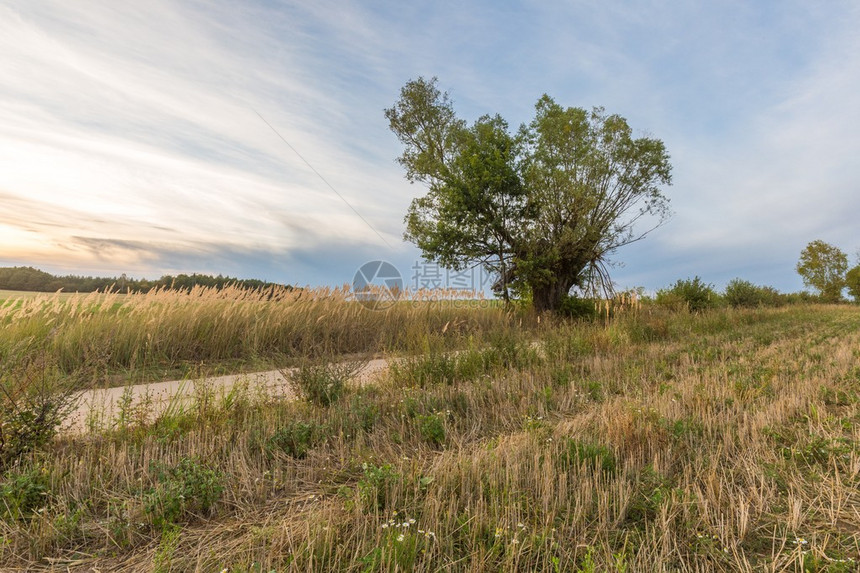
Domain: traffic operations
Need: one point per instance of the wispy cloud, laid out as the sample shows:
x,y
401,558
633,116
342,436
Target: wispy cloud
x,y
130,140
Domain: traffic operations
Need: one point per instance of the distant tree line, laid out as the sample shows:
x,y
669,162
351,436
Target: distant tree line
x,y
822,266
31,279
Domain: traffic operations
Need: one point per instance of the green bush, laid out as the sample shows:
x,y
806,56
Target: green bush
x,y
296,438
363,412
432,428
694,294
374,485
181,490
22,493
573,306
802,297
852,281
741,293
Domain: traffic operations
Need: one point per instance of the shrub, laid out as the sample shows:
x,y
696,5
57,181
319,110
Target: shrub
x,y
509,350
374,485
35,398
695,294
24,492
297,438
432,428
574,307
322,383
852,281
741,293
426,370
181,490
363,412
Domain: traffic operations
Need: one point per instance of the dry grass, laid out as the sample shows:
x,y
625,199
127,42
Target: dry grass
x,y
726,441
166,334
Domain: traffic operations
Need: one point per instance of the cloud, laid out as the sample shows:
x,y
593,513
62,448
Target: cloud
x,y
130,137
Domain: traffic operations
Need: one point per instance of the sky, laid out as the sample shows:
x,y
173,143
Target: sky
x,y
248,138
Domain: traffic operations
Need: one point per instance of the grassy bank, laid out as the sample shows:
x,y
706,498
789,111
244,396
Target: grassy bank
x,y
726,441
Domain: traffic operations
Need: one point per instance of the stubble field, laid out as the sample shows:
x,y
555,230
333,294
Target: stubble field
x,y
651,440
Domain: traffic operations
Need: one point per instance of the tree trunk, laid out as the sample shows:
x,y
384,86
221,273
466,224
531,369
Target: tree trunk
x,y
548,297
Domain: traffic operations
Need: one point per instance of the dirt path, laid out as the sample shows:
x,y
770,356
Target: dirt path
x,y
100,408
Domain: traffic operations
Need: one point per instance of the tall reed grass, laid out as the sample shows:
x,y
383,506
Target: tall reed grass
x,y
168,329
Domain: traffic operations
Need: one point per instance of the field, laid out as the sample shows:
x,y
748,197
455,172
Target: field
x,y
6,295
649,440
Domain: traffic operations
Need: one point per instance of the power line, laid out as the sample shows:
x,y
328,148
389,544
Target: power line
x,y
323,179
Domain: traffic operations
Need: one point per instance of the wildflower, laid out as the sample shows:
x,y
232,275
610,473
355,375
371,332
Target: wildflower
x,y
521,525
499,532
514,541
400,537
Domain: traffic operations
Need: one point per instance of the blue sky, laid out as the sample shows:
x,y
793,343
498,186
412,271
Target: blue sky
x,y
130,140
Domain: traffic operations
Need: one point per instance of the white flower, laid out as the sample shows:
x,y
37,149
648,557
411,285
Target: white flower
x,y
400,537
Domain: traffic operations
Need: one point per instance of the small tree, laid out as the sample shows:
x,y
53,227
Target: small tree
x,y
852,281
823,267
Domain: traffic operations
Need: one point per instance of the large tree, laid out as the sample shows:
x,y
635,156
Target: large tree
x,y
823,267
544,207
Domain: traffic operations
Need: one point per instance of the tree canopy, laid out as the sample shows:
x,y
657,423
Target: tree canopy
x,y
543,207
852,281
822,267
